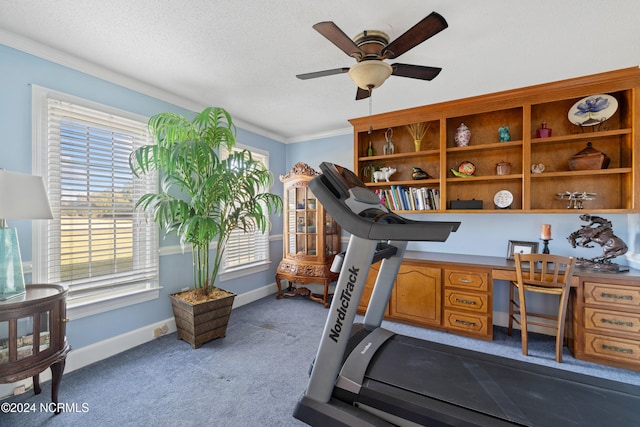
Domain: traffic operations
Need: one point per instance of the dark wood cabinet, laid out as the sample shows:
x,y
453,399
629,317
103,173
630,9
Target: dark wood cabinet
x,y
33,336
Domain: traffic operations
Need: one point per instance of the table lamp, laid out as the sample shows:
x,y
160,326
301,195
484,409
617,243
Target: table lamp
x,y
22,196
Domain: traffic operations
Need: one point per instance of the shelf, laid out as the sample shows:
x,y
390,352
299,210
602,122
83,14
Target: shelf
x,y
484,147
413,183
580,136
616,171
523,110
408,155
485,178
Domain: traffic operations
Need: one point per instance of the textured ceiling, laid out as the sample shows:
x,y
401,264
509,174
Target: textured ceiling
x,y
244,54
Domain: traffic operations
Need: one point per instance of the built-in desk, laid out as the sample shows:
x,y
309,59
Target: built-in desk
x,y
454,293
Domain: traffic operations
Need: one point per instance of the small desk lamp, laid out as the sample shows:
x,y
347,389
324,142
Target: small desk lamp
x,y
22,196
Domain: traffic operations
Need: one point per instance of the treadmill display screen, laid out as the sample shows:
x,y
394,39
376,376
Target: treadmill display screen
x,y
342,178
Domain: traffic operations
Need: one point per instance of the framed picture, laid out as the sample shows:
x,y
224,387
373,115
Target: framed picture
x,y
521,247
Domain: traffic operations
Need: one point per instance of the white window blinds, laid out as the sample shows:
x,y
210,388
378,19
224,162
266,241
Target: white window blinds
x,y
246,249
97,243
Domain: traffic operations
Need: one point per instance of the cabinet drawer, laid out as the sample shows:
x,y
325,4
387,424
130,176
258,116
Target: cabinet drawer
x,y
602,320
467,279
603,293
466,300
616,349
471,323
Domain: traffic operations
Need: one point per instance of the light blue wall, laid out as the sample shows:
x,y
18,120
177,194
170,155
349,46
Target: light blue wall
x,y
486,234
18,71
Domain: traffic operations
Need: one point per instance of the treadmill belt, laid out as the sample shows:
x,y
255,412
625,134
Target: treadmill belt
x,y
500,388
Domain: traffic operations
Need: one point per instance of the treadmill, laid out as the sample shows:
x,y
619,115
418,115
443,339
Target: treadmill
x,y
365,375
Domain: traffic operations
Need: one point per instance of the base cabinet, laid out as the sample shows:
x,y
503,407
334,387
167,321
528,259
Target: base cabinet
x,y
467,302
417,295
610,323
454,293
454,300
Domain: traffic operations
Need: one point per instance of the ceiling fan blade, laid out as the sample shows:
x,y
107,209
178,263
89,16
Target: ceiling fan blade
x,y
428,27
415,71
362,94
313,75
336,36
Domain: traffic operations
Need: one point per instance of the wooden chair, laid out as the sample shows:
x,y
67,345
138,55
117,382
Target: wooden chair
x,y
541,273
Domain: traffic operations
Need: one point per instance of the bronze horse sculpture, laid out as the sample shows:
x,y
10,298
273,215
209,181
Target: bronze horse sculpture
x,y
600,231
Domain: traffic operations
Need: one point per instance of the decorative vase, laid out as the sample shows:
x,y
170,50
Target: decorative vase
x,y
416,143
462,136
370,151
503,133
544,131
503,168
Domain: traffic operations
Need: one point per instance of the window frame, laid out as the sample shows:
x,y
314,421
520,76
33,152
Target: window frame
x,y
228,273
107,300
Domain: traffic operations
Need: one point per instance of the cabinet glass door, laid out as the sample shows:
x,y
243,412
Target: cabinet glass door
x,y
45,331
25,337
4,342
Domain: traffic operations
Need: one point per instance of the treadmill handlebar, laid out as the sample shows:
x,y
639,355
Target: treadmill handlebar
x,y
359,211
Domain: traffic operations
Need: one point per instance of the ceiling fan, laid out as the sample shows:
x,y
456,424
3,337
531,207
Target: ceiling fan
x,y
371,48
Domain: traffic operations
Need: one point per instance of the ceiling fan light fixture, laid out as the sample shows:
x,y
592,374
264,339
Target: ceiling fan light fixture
x,y
370,74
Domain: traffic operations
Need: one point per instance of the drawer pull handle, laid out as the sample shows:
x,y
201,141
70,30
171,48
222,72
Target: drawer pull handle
x,y
465,280
465,322
617,349
616,296
466,301
617,322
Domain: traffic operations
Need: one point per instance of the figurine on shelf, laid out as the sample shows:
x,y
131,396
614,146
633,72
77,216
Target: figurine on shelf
x,y
383,173
419,174
503,133
600,231
389,148
537,167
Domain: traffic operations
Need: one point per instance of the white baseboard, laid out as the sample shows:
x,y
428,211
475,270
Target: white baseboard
x,y
84,356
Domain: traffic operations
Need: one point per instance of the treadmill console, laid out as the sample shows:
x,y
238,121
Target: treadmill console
x,y
359,210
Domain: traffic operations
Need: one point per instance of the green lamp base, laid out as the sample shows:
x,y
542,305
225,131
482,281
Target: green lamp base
x,y
11,276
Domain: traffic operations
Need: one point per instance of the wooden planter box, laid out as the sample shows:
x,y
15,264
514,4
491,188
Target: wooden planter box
x,y
203,322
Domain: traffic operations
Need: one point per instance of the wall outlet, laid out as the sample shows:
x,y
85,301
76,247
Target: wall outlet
x,y
157,332
18,390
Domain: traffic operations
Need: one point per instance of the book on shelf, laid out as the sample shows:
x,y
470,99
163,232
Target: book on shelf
x,y
401,198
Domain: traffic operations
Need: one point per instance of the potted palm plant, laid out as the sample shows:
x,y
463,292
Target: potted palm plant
x,y
202,199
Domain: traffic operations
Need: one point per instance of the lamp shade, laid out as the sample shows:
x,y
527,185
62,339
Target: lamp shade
x,y
370,74
23,196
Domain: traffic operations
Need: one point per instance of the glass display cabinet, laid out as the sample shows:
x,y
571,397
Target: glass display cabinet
x,y
33,336
311,239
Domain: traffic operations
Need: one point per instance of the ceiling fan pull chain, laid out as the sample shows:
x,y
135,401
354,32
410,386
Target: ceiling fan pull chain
x,y
370,105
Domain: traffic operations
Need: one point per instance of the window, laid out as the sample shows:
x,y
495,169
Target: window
x,y
246,253
97,243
